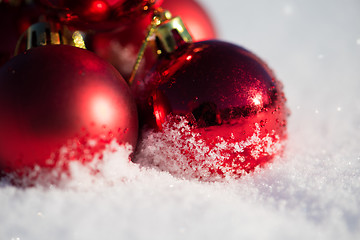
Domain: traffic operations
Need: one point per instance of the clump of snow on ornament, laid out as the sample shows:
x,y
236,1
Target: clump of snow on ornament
x,y
183,152
88,171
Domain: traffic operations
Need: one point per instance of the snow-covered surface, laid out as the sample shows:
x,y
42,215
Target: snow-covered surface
x,y
312,192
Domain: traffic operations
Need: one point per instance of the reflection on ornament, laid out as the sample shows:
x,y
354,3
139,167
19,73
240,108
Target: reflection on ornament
x,y
97,11
257,100
102,109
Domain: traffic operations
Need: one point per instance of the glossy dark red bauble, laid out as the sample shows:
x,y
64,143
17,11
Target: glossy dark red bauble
x,y
97,14
194,16
231,101
60,103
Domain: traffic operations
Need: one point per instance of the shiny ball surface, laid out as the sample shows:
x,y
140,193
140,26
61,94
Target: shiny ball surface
x,y
230,99
61,103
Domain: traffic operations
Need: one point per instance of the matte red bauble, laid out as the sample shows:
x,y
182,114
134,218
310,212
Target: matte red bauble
x,y
97,14
232,105
61,103
194,16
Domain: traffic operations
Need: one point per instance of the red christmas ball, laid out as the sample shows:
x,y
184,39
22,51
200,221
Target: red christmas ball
x,y
194,16
121,47
229,100
97,14
61,103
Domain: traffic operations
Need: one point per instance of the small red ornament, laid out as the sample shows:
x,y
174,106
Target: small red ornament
x,y
59,96
230,99
97,14
194,16
121,48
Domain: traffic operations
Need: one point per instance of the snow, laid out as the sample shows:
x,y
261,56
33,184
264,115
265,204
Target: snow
x,y
184,153
311,192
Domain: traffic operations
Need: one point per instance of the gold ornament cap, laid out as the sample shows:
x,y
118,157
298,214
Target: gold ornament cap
x,y
43,33
48,33
171,33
